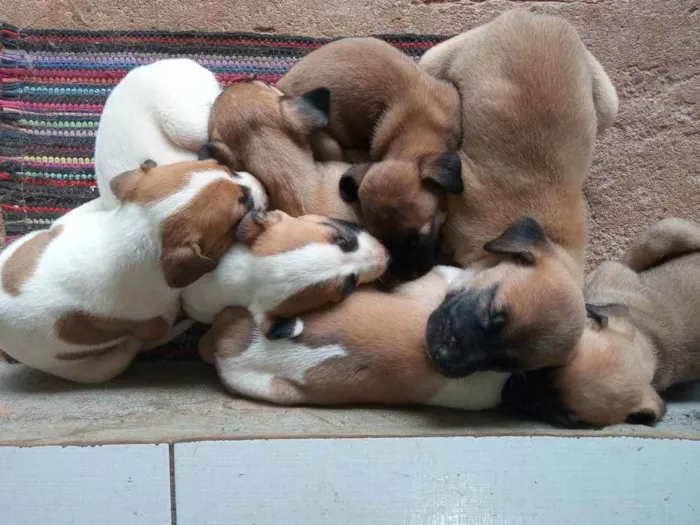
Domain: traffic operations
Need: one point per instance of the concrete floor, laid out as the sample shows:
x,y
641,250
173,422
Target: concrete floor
x,y
170,402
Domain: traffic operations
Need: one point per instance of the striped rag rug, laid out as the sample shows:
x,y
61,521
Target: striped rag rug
x,y
53,85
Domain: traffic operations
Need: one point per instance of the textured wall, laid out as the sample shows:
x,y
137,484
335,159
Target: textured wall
x,y
646,167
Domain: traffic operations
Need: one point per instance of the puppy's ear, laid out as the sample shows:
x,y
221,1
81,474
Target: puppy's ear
x,y
124,185
220,152
351,180
310,110
255,222
183,265
601,314
442,173
522,241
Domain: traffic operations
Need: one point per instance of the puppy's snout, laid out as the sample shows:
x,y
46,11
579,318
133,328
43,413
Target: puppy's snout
x,y
375,258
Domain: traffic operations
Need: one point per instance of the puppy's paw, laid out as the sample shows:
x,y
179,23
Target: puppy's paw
x,y
282,328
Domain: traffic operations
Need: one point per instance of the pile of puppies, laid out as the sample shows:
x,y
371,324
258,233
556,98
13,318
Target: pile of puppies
x,y
455,185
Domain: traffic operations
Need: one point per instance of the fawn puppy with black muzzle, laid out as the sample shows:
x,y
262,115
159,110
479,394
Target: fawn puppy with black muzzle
x,y
533,101
642,336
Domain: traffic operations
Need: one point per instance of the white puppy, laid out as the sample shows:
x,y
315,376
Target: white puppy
x,y
80,299
160,112
284,266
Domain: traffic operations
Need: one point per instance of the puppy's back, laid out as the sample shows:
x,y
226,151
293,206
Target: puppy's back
x,y
527,92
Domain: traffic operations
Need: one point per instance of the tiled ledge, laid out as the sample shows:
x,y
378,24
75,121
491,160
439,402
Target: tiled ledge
x,y
166,402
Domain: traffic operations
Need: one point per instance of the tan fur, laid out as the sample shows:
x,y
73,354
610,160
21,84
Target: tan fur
x,y
383,104
23,262
380,100
383,333
618,368
533,100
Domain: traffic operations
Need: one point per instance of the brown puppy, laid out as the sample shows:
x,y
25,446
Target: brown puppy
x,y
409,122
368,349
254,127
533,100
643,336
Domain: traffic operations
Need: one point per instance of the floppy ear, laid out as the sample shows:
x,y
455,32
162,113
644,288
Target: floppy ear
x,y
123,185
221,153
183,265
443,173
311,109
254,223
601,314
521,240
351,180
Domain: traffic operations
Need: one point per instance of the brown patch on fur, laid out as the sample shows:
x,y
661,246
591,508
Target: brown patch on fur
x,y
276,232
313,297
80,328
231,334
385,337
21,265
146,185
195,238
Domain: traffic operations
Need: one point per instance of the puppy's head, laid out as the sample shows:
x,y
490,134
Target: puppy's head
x,y
607,381
523,311
254,120
403,203
195,207
311,260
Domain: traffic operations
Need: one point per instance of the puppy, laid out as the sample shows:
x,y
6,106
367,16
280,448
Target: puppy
x,y
642,337
160,112
80,299
283,266
368,349
410,124
254,127
533,101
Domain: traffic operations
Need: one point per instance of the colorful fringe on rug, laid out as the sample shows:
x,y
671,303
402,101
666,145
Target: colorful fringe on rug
x,y
53,85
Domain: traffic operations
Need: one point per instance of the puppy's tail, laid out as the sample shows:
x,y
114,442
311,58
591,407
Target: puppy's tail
x,y
665,240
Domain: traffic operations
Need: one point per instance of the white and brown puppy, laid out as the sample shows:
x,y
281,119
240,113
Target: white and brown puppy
x,y
368,349
283,266
643,336
533,101
409,123
80,299
159,112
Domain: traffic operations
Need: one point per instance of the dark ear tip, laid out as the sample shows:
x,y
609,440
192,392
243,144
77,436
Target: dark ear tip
x,y
205,152
348,188
320,98
281,329
148,164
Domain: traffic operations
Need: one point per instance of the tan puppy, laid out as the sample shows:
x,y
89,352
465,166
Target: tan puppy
x,y
533,100
409,122
256,128
368,349
643,336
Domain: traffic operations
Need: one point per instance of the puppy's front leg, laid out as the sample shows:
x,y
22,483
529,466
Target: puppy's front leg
x,y
664,240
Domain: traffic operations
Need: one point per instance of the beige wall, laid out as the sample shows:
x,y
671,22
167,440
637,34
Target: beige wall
x,y
646,167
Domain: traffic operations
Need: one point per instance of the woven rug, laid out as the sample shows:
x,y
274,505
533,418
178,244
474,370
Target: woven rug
x,y
53,85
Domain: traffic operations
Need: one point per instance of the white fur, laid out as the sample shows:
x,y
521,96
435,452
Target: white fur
x,y
160,112
105,263
252,372
478,391
262,283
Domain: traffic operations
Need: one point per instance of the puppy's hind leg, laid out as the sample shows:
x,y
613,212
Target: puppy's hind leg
x,y
99,367
662,241
257,384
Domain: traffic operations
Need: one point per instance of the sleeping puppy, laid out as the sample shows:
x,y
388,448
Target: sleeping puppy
x,y
283,266
368,349
259,129
160,112
642,337
533,101
409,122
254,127
81,299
